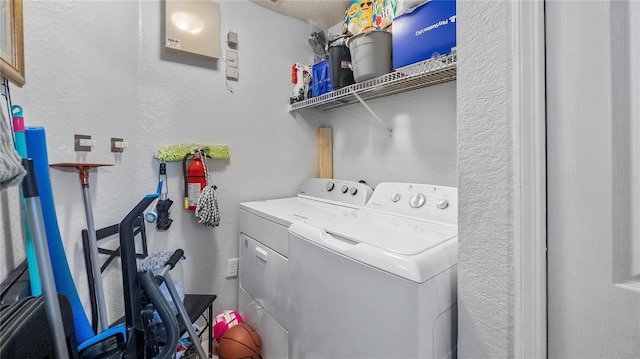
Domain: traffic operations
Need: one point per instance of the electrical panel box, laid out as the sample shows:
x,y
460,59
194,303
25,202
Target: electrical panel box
x,y
193,26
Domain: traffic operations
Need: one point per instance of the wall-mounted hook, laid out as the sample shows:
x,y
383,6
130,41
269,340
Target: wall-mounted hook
x,y
83,143
118,145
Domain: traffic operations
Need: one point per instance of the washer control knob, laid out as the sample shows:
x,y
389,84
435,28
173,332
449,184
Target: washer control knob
x,y
417,200
344,189
330,186
395,197
442,204
353,191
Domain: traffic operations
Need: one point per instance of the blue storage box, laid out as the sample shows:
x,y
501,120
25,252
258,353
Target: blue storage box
x,y
428,31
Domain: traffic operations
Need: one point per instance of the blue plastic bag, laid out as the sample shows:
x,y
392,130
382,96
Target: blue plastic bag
x,y
321,78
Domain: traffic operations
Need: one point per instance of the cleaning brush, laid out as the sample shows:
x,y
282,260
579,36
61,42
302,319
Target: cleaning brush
x,y
174,153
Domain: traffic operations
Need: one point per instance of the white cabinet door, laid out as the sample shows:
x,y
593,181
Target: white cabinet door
x,y
593,159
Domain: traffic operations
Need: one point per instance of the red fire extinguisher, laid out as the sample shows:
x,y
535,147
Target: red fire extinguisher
x,y
195,180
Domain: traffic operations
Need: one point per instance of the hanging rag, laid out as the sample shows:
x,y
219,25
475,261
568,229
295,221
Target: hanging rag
x,y
207,210
11,170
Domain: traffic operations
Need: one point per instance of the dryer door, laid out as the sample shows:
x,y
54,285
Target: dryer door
x,y
264,275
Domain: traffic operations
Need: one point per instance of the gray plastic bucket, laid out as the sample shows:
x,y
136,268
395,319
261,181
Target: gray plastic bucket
x,y
370,54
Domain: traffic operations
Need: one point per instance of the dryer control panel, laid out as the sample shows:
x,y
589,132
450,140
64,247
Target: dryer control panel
x,y
420,201
341,192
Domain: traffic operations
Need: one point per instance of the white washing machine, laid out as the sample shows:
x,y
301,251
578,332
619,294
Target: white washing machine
x,y
264,298
377,282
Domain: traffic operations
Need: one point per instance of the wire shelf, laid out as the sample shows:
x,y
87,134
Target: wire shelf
x,y
419,75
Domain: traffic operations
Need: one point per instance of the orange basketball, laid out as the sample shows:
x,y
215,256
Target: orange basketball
x,y
240,342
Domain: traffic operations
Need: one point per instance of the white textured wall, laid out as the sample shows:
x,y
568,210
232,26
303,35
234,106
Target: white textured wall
x,y
98,68
485,273
421,148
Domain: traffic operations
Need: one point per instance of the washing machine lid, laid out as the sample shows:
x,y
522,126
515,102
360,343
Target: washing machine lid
x,y
411,249
420,267
285,211
396,234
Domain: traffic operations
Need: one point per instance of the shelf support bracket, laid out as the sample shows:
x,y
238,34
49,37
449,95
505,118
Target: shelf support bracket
x,y
355,94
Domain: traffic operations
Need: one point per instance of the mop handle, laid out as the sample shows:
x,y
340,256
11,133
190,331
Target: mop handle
x,y
18,131
20,142
164,190
50,294
186,181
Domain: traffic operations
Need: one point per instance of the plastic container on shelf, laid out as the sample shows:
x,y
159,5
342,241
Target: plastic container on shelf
x,y
370,54
340,59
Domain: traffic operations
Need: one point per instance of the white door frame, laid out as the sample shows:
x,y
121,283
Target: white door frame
x,y
529,187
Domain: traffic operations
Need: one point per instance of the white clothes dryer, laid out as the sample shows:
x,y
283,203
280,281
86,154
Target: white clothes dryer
x,y
377,282
264,293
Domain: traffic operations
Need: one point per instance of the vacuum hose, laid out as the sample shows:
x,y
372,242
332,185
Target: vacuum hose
x,y
150,286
